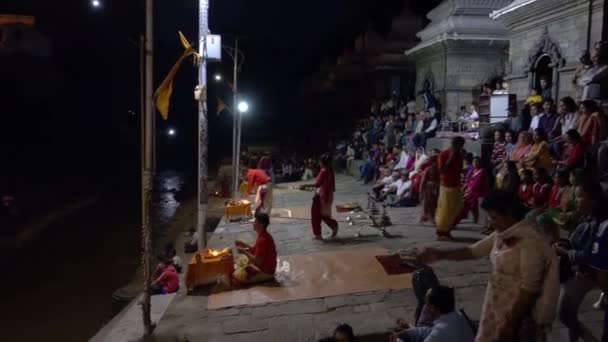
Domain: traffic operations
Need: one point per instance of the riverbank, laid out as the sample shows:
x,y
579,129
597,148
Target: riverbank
x,y
371,314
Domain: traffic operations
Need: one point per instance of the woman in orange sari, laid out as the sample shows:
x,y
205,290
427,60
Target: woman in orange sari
x,y
589,124
539,155
524,143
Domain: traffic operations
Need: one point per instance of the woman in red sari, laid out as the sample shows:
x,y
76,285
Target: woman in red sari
x,y
525,193
325,185
476,186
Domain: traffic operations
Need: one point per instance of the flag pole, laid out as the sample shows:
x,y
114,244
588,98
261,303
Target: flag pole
x,y
236,119
203,137
147,137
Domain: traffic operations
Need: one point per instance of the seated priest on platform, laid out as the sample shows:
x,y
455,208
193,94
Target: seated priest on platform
x,y
261,259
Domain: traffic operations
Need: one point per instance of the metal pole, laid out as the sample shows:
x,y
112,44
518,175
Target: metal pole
x,y
236,115
203,137
147,135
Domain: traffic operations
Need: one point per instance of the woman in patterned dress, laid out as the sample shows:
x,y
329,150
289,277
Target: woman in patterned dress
x,y
519,254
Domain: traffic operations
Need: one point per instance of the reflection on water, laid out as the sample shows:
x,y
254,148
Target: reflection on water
x,y
168,185
62,284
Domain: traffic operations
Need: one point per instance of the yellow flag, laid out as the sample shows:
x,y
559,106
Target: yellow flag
x,y
220,106
164,91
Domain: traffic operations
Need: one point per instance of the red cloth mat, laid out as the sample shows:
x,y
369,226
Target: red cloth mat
x,y
392,264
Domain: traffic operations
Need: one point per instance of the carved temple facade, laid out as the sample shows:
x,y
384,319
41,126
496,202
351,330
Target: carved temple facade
x,y
547,40
472,42
466,44
461,49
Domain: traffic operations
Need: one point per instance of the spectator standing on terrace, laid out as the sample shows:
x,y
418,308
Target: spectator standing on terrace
x,y
545,89
411,106
265,164
430,102
389,132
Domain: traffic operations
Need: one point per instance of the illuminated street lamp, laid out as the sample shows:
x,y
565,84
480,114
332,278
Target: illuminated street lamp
x,y
218,77
243,107
171,132
96,3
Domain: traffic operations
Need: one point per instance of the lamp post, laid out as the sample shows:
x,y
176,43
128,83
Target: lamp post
x,y
236,151
236,119
203,138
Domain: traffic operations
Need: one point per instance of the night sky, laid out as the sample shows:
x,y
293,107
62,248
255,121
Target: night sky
x,y
95,71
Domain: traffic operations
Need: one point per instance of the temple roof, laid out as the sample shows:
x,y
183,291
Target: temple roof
x,y
462,20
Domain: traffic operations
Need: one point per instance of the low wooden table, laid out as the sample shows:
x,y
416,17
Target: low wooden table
x,y
240,210
204,270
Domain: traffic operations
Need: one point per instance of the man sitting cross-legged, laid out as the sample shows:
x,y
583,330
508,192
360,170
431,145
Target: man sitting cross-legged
x,y
385,185
262,256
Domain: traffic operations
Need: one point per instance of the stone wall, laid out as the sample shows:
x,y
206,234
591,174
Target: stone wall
x,y
564,23
458,69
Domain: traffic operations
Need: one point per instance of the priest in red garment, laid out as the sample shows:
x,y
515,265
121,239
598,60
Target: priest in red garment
x,y
322,202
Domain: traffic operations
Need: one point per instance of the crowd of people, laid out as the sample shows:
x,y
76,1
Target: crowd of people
x,y
539,189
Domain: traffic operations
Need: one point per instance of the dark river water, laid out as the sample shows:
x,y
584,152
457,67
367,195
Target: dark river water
x,y
59,288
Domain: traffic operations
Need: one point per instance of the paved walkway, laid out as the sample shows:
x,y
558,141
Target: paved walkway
x,y
187,318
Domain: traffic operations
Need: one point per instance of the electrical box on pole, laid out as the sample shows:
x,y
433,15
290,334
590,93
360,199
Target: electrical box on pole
x,y
214,48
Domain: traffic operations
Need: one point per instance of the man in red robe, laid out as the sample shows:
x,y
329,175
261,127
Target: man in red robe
x,y
263,197
263,255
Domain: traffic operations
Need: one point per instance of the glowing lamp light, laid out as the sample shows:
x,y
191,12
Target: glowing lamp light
x,y
212,253
243,107
171,132
96,3
218,77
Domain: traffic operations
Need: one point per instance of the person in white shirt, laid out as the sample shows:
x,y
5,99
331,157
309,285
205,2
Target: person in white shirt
x,y
403,189
536,114
350,156
449,325
473,115
403,159
569,114
385,184
411,106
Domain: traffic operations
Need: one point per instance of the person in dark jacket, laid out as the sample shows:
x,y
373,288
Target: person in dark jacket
x,y
578,251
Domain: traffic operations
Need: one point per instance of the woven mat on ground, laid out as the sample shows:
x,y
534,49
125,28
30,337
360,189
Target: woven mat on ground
x,y
393,264
318,275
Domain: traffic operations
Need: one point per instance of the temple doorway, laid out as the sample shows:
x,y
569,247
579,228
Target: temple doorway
x,y
543,69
